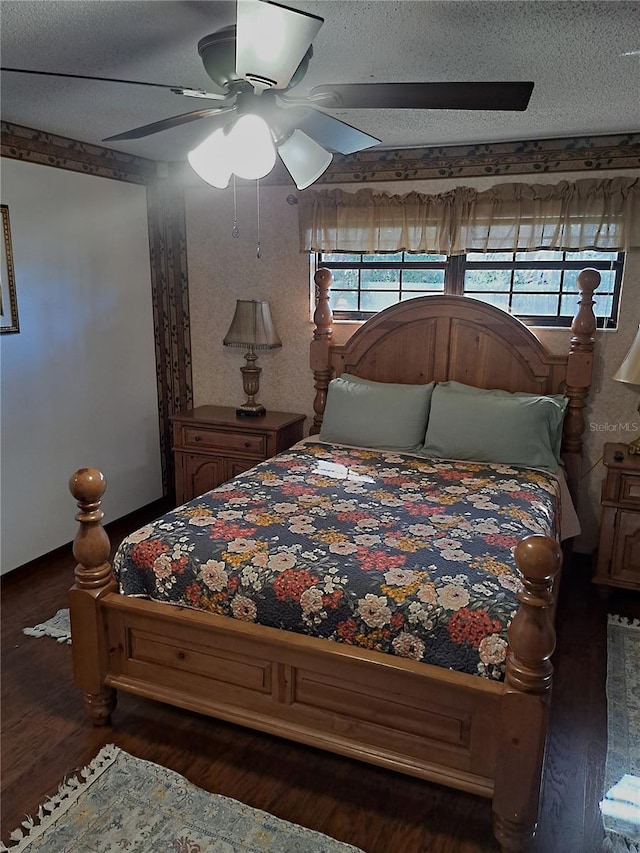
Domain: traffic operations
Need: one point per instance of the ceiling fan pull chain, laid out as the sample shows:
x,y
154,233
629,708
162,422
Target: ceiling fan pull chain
x,y
259,249
235,233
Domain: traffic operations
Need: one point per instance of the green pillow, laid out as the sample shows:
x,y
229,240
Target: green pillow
x,y
388,415
495,426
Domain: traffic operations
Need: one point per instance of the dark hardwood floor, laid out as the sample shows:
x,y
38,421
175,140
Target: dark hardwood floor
x,y
46,736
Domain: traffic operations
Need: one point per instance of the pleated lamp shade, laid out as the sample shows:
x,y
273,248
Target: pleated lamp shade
x,y
629,370
252,326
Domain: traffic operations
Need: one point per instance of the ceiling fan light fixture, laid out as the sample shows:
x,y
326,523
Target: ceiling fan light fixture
x,y
304,158
211,160
272,40
250,148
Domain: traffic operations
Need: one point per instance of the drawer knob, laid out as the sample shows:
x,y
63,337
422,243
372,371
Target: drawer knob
x,y
197,438
247,444
181,655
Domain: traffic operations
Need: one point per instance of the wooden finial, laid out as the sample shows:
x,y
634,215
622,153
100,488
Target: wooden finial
x,y
584,323
91,546
532,636
322,335
87,486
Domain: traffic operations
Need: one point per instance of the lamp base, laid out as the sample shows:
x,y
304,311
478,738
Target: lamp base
x,y
633,448
251,411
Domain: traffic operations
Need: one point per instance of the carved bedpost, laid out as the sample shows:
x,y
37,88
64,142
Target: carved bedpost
x,y
94,579
579,370
319,355
525,702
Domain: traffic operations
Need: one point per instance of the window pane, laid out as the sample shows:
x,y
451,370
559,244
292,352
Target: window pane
x,y
380,279
339,258
570,281
423,279
490,257
417,258
345,279
387,257
535,304
539,280
592,255
343,301
487,280
500,300
377,301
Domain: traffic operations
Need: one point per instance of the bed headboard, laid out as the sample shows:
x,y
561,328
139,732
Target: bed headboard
x,y
456,337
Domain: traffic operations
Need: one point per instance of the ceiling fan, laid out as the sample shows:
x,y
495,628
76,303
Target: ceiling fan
x,y
255,64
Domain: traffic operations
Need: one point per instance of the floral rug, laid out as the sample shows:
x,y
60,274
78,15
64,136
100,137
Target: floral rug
x,y
120,802
621,805
58,626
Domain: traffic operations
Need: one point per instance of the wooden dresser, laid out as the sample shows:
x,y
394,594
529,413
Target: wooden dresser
x,y
619,549
212,444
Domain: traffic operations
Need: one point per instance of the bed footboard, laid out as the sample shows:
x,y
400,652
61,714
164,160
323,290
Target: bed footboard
x,y
456,729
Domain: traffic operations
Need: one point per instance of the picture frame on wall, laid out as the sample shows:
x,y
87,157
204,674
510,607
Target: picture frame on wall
x,y
8,296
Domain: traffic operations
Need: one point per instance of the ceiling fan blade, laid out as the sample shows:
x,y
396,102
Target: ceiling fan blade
x,y
271,41
167,123
331,133
423,96
179,90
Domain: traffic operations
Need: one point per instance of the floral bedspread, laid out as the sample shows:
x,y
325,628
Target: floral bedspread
x,y
387,551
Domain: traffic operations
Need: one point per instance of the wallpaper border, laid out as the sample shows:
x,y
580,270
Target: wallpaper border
x,y
167,256
584,153
48,149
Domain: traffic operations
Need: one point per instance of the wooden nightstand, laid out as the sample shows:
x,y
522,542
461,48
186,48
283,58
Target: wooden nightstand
x,y
211,444
619,550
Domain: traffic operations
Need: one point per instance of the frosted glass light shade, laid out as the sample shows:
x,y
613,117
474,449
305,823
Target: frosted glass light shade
x,y
304,158
211,161
629,370
250,148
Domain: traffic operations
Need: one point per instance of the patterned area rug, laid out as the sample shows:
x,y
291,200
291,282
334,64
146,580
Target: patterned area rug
x,y
58,626
120,802
621,805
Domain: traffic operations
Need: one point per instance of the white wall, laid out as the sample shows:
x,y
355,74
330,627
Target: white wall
x,y
78,382
222,269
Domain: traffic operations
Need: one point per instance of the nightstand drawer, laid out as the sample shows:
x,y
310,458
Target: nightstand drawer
x,y
212,444
630,490
241,442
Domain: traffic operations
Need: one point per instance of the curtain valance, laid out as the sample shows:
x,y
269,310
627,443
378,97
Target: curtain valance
x,y
580,215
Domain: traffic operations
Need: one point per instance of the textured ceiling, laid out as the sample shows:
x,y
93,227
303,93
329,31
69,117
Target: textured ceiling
x,y
584,58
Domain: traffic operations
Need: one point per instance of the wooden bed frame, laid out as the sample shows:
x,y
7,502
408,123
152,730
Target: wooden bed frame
x,y
459,730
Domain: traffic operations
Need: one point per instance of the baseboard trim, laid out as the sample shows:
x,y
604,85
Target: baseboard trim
x,y
114,528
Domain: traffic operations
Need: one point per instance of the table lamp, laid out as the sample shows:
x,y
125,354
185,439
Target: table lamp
x,y
629,371
252,327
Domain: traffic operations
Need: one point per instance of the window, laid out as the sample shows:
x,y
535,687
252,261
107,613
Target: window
x,y
537,287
